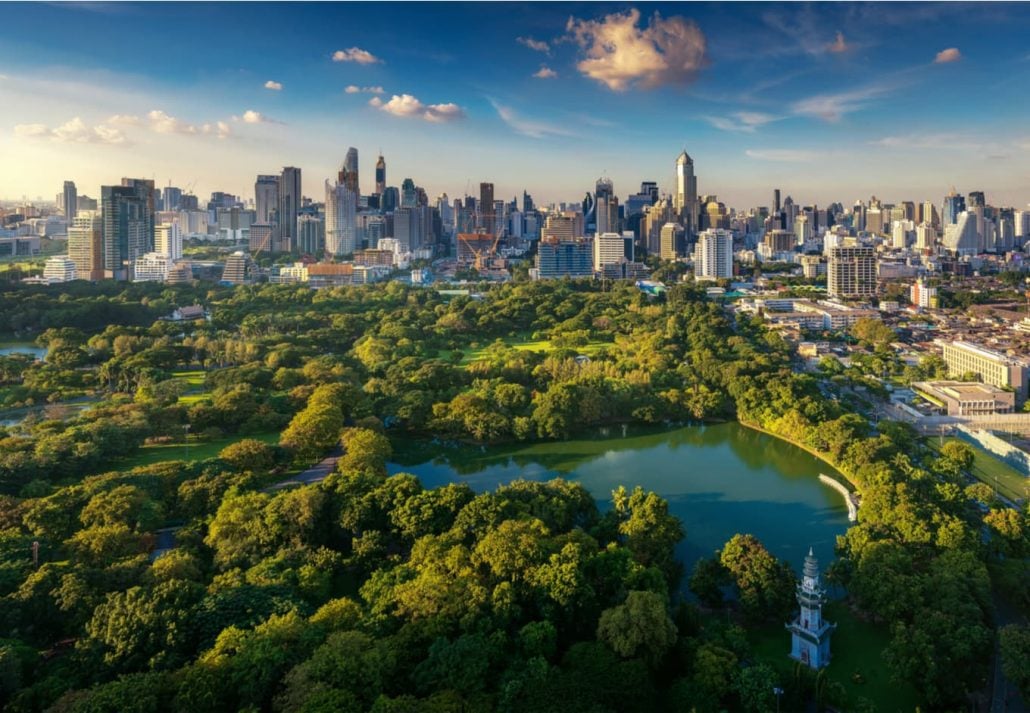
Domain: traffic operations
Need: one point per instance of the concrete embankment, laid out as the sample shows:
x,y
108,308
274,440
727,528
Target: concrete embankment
x,y
849,498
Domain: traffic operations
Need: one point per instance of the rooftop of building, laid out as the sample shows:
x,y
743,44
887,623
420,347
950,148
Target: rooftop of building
x,y
963,390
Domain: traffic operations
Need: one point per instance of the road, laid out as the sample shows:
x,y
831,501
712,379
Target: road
x,y
314,474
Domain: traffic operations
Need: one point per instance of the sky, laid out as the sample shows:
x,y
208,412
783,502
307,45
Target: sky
x,y
828,102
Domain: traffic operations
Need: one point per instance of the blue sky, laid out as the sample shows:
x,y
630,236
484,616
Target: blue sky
x,y
826,101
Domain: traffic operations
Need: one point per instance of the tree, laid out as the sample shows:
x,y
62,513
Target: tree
x,y
1015,656
707,580
648,529
249,454
238,534
365,452
764,584
754,688
640,626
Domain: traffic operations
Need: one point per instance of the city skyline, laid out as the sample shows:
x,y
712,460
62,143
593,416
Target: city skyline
x,y
826,102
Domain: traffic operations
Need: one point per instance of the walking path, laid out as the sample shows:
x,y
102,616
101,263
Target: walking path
x,y
314,474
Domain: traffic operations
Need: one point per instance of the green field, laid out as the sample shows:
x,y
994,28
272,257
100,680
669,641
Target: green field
x,y
194,381
528,345
197,450
992,470
857,662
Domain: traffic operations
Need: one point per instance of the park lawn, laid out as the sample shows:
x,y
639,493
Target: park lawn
x,y
193,378
991,470
198,450
190,399
856,647
528,345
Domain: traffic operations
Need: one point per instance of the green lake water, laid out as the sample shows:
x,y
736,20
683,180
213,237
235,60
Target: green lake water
x,y
718,479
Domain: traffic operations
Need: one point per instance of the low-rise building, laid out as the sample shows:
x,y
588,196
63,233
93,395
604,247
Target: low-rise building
x,y
59,268
967,398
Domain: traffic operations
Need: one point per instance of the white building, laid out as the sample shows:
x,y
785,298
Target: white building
x,y
609,248
903,233
713,255
59,268
961,237
341,227
168,240
923,296
926,236
152,267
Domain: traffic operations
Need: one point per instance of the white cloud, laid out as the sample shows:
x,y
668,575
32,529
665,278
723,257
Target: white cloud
x,y
948,55
163,123
538,45
355,54
745,121
527,127
253,117
73,131
545,72
783,155
124,120
832,107
274,86
839,45
355,89
408,106
621,55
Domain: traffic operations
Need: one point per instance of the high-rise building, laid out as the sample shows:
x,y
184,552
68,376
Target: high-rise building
x,y
59,268
606,207
69,201
487,217
128,226
266,199
564,258
380,175
609,248
152,267
685,200
953,205
341,229
168,240
922,295
409,194
84,202
171,198
290,194
976,200
713,256
86,244
961,236
926,236
563,226
903,234
350,165
671,241
851,272
930,215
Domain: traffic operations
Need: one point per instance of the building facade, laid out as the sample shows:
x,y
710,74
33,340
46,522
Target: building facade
x,y
713,256
991,366
851,272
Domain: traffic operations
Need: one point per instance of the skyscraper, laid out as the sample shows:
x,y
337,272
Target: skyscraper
x,y
380,175
341,229
606,207
289,204
171,198
127,228
486,208
69,201
685,200
671,241
350,164
168,240
266,199
713,256
409,195
86,244
953,205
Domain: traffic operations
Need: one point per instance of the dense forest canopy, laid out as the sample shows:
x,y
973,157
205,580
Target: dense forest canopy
x,y
368,592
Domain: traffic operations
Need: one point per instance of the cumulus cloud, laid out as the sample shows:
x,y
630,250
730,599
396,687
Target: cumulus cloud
x,y
355,89
621,55
782,155
745,121
255,117
545,72
163,123
839,45
73,131
538,45
274,86
355,54
527,127
949,55
124,120
407,106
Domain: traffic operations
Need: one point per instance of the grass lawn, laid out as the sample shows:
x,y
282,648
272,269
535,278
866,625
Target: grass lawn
x,y
194,381
856,647
198,450
991,470
529,345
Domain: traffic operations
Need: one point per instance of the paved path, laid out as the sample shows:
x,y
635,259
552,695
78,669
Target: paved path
x,y
314,474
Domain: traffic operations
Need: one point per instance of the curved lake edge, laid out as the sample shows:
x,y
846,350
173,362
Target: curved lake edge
x,y
837,474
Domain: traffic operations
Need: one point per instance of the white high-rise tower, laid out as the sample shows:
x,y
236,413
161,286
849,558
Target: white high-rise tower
x,y
685,200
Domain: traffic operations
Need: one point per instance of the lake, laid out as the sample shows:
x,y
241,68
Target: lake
x,y
22,348
718,479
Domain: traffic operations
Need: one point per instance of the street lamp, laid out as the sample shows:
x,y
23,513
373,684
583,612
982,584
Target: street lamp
x,y
777,691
